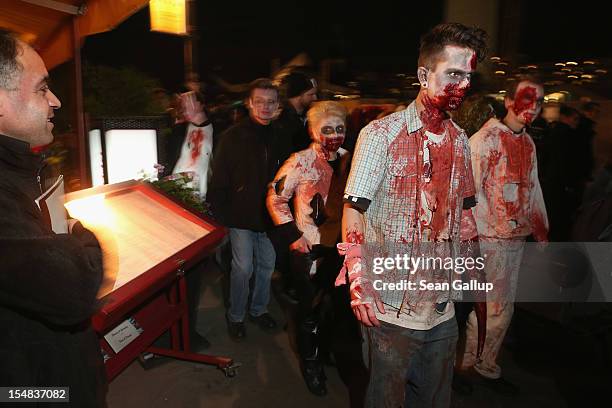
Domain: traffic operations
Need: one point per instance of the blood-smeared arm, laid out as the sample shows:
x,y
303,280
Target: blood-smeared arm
x,y
363,295
537,215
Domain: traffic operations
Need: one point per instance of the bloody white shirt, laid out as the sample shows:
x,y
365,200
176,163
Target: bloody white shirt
x,y
196,156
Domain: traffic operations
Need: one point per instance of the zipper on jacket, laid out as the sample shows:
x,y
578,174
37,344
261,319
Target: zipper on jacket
x,y
38,178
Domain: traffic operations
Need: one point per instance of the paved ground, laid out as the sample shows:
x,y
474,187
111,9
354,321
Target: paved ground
x,y
554,368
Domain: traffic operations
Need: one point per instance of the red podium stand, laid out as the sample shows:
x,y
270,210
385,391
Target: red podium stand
x,y
148,241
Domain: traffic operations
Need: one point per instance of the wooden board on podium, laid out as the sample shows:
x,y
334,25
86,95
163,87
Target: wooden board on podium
x,y
148,241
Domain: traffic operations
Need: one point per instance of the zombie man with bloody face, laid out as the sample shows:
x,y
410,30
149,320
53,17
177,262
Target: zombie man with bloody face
x,y
314,178
411,187
510,207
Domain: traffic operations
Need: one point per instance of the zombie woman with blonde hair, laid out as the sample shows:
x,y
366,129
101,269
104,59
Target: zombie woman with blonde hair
x,y
314,178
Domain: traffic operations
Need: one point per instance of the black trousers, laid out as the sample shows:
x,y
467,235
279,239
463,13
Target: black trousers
x,y
313,309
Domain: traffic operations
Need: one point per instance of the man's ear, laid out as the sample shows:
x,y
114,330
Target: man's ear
x,y
422,76
508,102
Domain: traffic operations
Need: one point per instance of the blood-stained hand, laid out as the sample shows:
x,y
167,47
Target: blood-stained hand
x,y
363,299
301,245
363,294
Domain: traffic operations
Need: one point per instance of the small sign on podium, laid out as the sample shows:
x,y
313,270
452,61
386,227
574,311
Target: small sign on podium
x,y
122,335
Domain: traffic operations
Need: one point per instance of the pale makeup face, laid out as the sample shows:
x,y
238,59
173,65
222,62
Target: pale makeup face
x,y
326,133
448,82
263,104
527,102
26,111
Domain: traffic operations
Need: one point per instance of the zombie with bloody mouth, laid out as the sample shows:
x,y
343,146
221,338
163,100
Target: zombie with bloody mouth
x,y
411,187
314,178
509,208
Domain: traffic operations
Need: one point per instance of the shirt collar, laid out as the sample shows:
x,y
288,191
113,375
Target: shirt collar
x,y
15,144
17,153
412,118
506,129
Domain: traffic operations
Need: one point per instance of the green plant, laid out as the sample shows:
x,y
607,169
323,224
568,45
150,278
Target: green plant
x,y
179,187
125,91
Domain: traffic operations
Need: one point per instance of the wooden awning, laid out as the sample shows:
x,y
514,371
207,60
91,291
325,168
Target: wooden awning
x,y
48,24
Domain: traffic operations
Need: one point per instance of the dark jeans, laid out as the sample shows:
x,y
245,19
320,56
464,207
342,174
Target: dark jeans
x,y
410,368
249,246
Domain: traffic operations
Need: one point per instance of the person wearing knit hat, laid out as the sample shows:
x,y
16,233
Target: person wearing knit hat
x,y
300,91
297,84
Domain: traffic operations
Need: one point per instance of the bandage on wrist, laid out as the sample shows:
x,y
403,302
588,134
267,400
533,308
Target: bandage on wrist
x,y
353,264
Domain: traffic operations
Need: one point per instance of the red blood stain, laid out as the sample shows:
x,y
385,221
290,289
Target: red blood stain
x,y
38,149
525,99
473,62
493,159
432,116
195,142
434,111
403,153
402,239
437,189
508,185
539,230
304,190
332,144
528,117
517,171
354,237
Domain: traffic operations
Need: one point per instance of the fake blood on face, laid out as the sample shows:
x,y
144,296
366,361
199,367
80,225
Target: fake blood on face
x,y
473,62
434,111
332,144
528,117
524,100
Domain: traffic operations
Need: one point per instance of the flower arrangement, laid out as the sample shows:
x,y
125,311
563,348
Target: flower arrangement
x,y
179,186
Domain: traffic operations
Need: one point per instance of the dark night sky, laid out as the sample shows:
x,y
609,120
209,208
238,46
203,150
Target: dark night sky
x,y
552,30
238,40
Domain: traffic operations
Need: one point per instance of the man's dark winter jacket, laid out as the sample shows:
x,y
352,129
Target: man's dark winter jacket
x,y
295,126
246,160
48,287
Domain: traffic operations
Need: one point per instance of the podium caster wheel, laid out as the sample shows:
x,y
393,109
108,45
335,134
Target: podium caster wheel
x,y
231,370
